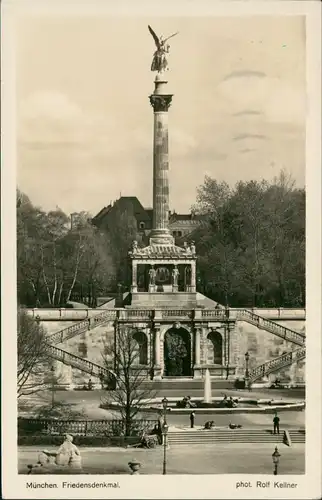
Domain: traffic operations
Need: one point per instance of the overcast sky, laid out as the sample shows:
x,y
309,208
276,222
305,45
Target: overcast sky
x,y
85,122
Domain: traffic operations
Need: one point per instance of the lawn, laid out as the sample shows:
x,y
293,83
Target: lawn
x,y
195,459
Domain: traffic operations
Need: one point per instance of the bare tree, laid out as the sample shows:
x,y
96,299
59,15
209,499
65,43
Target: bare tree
x,y
32,355
130,361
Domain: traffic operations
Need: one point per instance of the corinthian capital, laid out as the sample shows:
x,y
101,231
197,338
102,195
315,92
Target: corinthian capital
x,y
160,102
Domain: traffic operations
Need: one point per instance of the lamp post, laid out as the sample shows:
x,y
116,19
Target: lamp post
x,y
52,386
276,458
164,433
247,370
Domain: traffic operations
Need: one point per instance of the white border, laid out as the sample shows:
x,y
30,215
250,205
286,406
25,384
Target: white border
x,y
218,486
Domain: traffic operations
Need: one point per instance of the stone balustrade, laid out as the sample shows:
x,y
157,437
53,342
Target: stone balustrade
x,y
276,363
57,314
81,364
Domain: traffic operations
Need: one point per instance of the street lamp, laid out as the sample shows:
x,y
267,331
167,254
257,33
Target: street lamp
x,y
165,406
276,458
246,370
52,386
164,433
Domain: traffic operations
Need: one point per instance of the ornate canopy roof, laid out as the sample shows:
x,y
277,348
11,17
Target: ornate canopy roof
x,y
163,252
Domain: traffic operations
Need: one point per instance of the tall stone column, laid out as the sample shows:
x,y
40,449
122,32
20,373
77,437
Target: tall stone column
x,y
160,101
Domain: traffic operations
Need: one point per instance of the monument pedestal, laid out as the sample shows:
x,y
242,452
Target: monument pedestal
x,y
197,371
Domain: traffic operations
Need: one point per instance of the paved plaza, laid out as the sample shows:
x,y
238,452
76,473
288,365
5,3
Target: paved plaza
x,y
88,401
195,459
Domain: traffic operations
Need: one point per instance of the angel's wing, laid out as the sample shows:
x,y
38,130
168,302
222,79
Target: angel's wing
x,y
174,34
156,39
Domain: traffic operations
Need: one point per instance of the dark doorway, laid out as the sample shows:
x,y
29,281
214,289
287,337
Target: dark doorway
x,y
177,353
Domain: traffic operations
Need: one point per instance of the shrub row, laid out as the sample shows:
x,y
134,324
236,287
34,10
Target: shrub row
x,y
55,440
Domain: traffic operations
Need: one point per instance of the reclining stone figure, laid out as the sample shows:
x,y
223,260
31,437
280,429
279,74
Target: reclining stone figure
x,y
67,456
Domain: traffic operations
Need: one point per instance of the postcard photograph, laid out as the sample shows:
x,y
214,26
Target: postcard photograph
x,y
161,249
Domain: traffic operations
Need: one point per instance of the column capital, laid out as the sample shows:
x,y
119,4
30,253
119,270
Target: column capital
x,y
161,102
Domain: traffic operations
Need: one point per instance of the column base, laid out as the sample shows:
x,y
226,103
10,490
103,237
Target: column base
x,y
161,237
174,288
197,371
152,288
134,289
157,372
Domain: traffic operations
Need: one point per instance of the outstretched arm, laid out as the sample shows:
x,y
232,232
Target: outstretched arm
x,y
174,34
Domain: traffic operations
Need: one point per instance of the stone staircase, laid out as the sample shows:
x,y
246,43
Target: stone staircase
x,y
111,314
276,364
81,327
229,436
82,364
271,326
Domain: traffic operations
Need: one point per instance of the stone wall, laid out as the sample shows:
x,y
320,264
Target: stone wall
x,y
262,346
244,337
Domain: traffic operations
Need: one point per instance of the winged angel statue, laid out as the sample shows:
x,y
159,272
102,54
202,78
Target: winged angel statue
x,y
160,60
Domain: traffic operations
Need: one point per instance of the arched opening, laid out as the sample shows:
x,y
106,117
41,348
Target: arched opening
x,y
142,348
214,348
177,353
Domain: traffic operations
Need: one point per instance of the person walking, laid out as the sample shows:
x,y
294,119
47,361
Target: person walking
x,y
276,422
192,419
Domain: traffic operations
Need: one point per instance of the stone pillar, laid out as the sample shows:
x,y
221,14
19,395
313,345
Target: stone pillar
x,y
196,370
157,354
160,102
134,287
193,276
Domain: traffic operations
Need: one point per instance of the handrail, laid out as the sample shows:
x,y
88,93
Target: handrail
x,y
177,313
272,326
276,363
81,326
80,363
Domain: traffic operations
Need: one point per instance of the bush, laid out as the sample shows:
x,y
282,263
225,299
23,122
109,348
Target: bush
x,y
99,441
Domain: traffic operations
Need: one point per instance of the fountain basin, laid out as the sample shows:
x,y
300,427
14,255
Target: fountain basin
x,y
245,405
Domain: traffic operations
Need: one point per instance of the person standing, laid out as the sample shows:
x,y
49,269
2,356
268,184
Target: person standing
x,y
276,422
192,419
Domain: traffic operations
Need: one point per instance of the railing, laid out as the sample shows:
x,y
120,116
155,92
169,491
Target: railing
x,y
177,313
82,364
70,314
68,332
139,313
270,326
277,363
81,327
213,313
108,314
82,427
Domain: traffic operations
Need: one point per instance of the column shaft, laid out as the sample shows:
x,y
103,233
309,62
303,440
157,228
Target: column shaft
x,y
160,172
197,346
157,356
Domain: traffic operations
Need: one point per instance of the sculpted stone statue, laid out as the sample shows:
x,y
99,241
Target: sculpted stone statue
x,y
152,275
175,275
160,60
134,246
